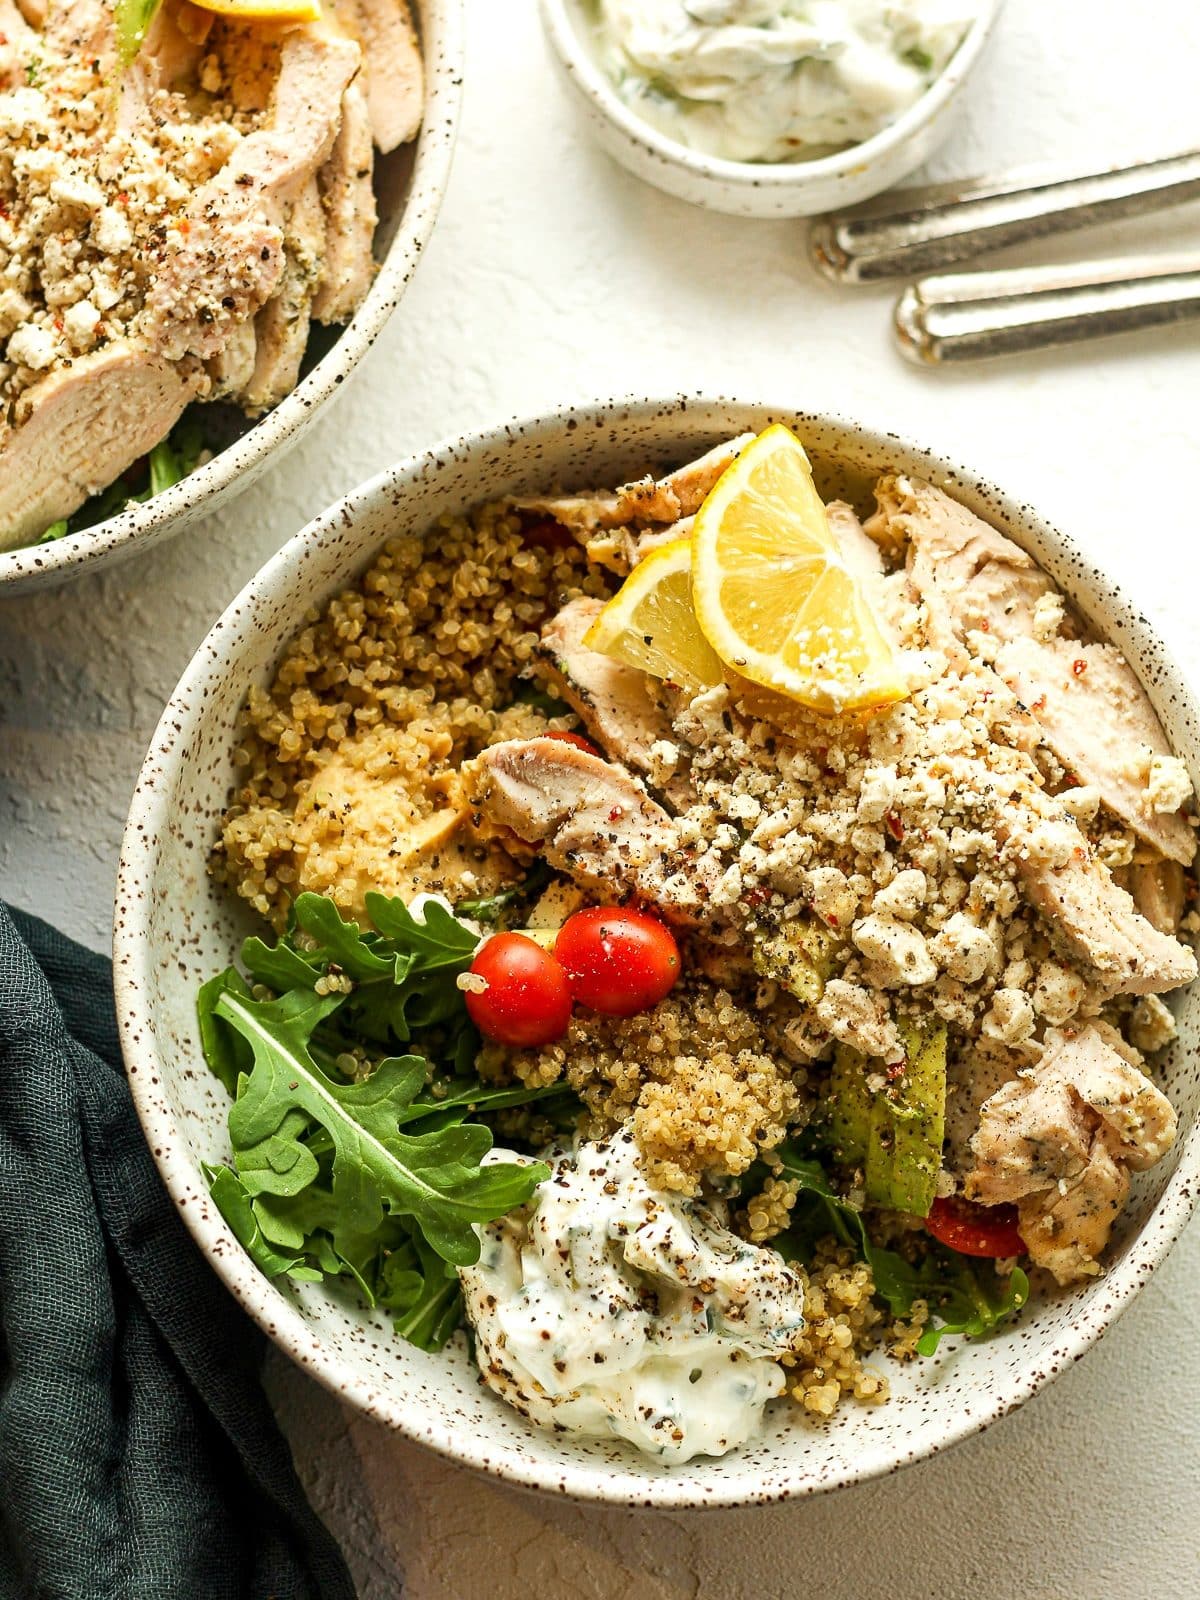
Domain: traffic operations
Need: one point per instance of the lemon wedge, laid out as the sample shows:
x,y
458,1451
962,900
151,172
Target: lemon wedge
x,y
650,622
264,10
772,593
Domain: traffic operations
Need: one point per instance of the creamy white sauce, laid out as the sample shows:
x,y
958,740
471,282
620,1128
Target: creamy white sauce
x,y
618,1309
774,80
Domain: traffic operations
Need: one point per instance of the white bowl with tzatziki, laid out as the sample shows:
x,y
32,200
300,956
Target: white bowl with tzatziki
x,y
672,1112
768,108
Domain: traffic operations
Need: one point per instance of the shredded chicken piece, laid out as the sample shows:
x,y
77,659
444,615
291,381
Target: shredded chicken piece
x,y
1059,1140
592,819
615,701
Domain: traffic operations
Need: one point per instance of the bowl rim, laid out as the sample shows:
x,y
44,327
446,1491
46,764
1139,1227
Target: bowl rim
x,y
146,524
776,176
150,809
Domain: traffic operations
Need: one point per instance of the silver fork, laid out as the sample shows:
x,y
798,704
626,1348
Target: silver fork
x,y
967,316
921,230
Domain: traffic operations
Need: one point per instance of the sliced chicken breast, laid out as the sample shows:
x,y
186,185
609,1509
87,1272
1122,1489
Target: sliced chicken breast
x,y
348,200
593,821
1159,892
232,368
229,261
281,327
80,428
614,700
1097,719
1099,924
394,71
662,500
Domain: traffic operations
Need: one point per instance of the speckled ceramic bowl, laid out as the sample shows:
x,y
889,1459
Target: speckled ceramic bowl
x,y
410,184
174,928
750,188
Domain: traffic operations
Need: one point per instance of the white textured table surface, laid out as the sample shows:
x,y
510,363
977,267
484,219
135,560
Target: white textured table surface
x,y
554,277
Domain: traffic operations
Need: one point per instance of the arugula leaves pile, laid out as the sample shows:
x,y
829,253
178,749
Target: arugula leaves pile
x,y
966,1300
378,1178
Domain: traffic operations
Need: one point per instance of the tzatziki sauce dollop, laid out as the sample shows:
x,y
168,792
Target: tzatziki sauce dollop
x,y
774,80
611,1308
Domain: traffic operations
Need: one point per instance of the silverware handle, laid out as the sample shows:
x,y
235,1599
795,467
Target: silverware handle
x,y
921,230
972,315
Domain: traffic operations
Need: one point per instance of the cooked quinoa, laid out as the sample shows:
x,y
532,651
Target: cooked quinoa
x,y
385,692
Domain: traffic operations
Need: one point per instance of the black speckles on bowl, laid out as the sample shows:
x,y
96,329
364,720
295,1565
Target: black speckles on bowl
x,y
173,928
410,184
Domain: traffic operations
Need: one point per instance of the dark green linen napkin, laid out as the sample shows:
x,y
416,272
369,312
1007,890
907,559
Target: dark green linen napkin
x,y
139,1459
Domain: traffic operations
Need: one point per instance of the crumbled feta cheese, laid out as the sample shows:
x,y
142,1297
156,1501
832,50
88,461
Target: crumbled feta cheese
x,y
75,190
1057,994
905,895
1168,786
1151,1025
1049,613
1010,1017
111,233
80,322
963,949
897,952
1082,802
32,346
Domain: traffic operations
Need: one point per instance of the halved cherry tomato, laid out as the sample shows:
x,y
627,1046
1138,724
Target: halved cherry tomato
x,y
618,960
527,1000
575,739
975,1230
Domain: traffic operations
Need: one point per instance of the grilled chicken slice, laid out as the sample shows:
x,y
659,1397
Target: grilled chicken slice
x,y
663,500
1099,924
281,327
614,700
232,368
80,428
34,12
81,28
1088,705
1096,717
229,262
1059,1140
395,75
350,216
968,576
593,821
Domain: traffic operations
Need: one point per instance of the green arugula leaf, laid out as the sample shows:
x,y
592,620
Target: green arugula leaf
x,y
424,1292
968,1304
234,1204
226,1052
953,1287
435,1178
439,941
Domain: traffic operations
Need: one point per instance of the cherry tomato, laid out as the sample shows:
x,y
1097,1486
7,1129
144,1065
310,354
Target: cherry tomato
x,y
618,960
527,1000
576,739
975,1230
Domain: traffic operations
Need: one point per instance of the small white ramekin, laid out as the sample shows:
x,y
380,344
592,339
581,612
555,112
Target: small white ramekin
x,y
754,188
